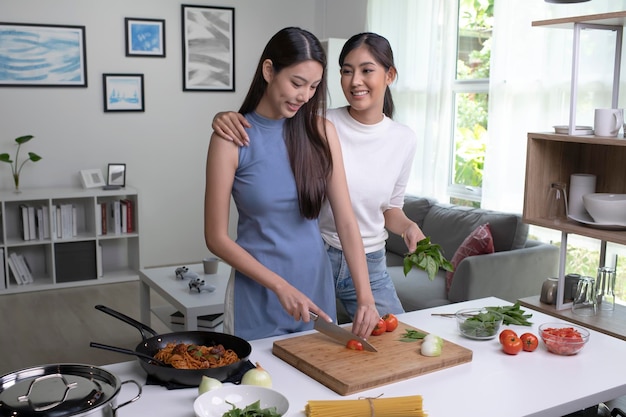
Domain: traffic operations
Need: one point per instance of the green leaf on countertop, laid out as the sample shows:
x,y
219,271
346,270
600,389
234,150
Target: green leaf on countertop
x,y
427,256
412,335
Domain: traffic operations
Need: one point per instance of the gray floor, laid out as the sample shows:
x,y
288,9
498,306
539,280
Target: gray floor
x,y
57,326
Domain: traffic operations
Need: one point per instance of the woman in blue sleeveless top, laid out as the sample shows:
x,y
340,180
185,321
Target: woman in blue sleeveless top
x,y
279,184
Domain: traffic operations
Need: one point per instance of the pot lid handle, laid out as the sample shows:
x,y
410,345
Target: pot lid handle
x,y
68,387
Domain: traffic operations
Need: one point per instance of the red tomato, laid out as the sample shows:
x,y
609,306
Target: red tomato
x,y
380,328
354,344
506,333
529,341
391,322
512,345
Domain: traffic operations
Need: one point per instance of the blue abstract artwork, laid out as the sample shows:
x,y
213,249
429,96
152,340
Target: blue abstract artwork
x,y
145,37
123,92
41,55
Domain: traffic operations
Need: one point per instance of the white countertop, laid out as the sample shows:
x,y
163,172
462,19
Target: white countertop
x,y
529,384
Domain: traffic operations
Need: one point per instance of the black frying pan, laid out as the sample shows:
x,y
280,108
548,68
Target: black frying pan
x,y
190,377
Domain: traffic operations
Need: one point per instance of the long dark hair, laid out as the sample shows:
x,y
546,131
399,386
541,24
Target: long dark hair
x,y
380,49
307,146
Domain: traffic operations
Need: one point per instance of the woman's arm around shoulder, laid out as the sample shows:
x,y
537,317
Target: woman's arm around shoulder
x,y
231,126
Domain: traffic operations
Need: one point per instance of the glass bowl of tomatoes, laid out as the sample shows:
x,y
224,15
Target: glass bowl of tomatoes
x,y
478,323
563,338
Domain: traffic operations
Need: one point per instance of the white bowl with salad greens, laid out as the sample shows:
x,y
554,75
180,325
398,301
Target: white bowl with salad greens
x,y
241,400
478,323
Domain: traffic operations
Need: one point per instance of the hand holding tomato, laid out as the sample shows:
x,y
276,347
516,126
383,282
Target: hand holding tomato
x,y
380,328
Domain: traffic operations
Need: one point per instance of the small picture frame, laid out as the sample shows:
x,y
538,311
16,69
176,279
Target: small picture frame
x,y
145,37
91,178
123,92
116,175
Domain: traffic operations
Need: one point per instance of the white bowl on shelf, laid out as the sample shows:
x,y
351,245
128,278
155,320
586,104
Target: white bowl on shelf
x,y
606,208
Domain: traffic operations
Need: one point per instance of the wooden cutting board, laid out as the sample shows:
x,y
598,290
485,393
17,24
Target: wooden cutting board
x,y
348,371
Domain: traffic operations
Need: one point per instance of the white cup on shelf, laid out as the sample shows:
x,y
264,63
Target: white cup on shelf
x,y
579,185
608,122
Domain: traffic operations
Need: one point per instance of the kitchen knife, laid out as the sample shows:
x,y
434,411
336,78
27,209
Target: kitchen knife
x,y
338,333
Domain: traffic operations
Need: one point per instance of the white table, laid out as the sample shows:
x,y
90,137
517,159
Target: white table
x,y
493,384
176,292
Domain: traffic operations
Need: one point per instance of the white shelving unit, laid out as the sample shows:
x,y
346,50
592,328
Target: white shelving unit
x,y
85,258
552,157
613,22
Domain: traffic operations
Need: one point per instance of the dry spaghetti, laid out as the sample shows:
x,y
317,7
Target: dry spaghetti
x,y
190,356
408,406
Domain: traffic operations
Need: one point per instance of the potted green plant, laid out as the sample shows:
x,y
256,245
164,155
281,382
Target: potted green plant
x,y
16,167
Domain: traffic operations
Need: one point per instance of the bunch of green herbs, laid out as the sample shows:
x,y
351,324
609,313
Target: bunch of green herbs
x,y
252,410
427,256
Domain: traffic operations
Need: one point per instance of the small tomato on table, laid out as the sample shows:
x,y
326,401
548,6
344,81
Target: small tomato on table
x,y
506,333
380,328
354,344
530,342
512,345
391,322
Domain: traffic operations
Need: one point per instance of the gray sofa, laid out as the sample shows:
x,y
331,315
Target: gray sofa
x,y
516,269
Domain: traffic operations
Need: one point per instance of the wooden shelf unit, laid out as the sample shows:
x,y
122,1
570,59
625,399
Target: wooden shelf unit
x,y
554,158
60,262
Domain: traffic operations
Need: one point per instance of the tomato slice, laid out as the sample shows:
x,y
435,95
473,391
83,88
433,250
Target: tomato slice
x,y
354,344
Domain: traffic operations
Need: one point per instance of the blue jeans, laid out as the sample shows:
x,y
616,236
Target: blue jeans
x,y
382,286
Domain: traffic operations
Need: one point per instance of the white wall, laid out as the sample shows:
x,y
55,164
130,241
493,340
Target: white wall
x,y
164,148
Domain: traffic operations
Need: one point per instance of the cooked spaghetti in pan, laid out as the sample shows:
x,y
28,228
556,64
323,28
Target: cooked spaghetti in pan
x,y
190,356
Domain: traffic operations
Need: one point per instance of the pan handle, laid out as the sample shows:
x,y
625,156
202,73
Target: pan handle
x,y
138,325
128,352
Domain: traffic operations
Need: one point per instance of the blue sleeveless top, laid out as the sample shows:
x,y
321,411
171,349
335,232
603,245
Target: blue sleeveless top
x,y
271,228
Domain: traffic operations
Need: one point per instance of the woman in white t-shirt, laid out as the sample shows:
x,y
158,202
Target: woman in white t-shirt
x,y
378,154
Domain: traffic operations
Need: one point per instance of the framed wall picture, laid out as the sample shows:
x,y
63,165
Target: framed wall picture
x,y
145,37
91,178
123,92
42,55
208,48
116,175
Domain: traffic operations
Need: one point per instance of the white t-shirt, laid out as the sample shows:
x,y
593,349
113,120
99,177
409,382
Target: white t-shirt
x,y
377,159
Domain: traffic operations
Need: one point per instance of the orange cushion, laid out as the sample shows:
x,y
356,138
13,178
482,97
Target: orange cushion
x,y
479,242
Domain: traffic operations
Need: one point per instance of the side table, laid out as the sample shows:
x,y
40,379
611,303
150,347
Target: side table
x,y
176,292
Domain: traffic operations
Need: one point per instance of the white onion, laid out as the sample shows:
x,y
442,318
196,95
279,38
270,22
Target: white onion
x,y
430,348
257,376
434,337
208,384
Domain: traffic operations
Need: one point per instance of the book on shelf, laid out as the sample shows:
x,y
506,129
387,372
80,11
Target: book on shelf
x,y
210,320
103,208
3,282
39,222
23,266
24,221
32,222
116,214
20,269
46,222
66,223
13,271
129,215
123,216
